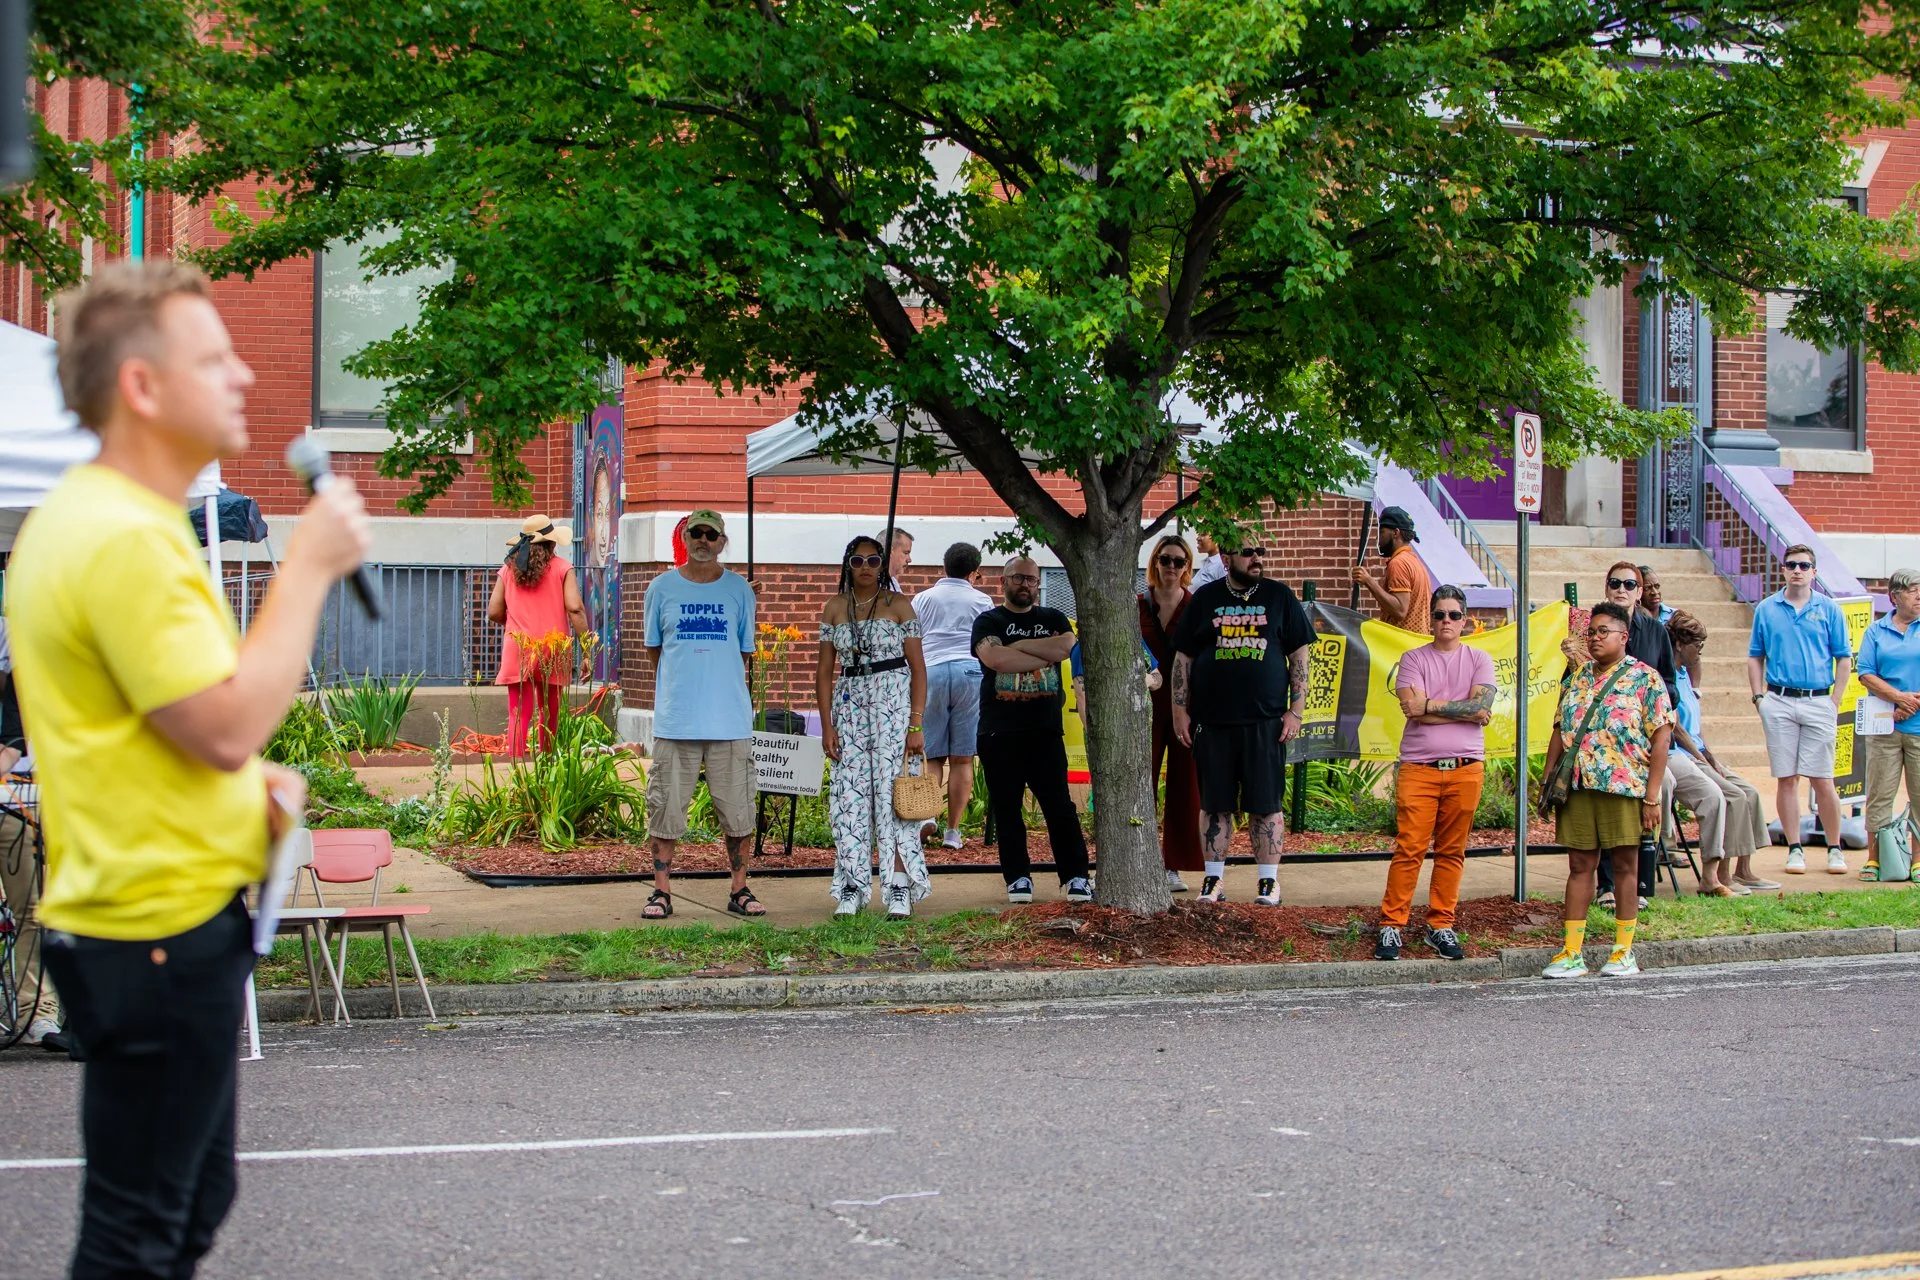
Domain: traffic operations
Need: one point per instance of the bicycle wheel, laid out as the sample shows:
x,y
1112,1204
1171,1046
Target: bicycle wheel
x,y
11,1026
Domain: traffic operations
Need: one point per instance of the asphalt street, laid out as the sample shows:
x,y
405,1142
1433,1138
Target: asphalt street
x,y
1683,1120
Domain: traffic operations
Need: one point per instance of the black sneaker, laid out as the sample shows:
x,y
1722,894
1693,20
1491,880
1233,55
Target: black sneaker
x,y
1079,889
1447,943
1388,948
1020,890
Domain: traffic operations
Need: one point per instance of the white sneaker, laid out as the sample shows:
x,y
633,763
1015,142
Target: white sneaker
x,y
953,840
1836,862
39,1029
1796,861
1623,967
1174,883
849,903
899,901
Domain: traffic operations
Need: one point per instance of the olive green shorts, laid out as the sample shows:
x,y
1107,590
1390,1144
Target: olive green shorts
x,y
1594,820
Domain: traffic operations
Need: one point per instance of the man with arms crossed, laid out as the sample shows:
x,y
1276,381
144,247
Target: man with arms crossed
x,y
147,713
1446,692
1798,664
699,621
1239,677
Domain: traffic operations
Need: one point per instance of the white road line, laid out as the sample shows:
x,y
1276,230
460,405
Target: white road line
x,y
481,1148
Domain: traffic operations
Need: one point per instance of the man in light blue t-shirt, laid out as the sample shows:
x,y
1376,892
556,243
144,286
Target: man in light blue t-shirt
x,y
1798,664
699,621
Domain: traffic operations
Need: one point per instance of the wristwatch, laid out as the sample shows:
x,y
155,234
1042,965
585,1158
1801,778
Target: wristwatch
x,y
1757,697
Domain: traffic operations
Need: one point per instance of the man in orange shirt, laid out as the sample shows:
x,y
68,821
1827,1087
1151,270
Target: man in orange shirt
x,y
1403,588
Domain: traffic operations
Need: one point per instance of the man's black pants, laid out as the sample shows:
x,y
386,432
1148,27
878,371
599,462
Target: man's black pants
x,y
158,1023
1015,763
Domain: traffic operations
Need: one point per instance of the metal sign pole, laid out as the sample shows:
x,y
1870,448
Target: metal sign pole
x,y
1522,682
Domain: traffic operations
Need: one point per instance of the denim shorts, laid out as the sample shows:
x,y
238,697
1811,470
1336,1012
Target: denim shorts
x,y
952,722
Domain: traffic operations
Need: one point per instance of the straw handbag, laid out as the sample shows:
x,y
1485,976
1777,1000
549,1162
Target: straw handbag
x,y
918,796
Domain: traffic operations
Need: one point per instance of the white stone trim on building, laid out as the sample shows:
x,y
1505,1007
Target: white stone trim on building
x,y
409,540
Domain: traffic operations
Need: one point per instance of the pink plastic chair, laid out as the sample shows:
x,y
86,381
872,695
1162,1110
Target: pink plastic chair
x,y
354,855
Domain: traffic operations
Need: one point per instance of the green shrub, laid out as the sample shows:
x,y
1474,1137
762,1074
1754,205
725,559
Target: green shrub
x,y
561,796
304,737
368,711
336,798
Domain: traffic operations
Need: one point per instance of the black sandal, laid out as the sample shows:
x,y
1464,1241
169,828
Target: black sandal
x,y
740,901
661,899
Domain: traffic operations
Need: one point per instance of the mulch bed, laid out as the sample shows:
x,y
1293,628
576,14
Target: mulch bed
x,y
527,858
1077,935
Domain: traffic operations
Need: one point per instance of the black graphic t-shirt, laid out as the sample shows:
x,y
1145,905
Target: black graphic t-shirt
x,y
1026,701
1239,650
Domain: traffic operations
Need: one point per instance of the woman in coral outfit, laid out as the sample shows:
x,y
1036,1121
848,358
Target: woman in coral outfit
x,y
537,598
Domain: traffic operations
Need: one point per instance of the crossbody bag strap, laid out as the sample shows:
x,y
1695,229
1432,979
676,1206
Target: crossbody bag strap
x,y
1586,721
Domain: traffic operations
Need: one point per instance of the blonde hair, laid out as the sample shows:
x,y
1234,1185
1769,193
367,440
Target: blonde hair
x,y
1153,560
111,319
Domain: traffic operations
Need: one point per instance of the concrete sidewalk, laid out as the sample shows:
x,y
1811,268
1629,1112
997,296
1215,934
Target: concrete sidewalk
x,y
463,906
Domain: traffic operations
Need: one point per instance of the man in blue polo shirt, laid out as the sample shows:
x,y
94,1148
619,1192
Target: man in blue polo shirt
x,y
1798,663
1890,668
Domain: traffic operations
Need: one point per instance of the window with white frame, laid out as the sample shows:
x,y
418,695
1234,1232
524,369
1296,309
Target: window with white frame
x,y
350,311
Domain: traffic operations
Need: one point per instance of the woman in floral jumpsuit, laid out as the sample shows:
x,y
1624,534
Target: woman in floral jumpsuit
x,y
872,687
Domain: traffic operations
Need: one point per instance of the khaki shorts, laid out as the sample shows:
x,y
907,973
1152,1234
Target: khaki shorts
x,y
1800,735
675,771
1594,820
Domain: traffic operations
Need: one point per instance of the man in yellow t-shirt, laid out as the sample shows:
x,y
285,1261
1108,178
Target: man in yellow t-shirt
x,y
147,713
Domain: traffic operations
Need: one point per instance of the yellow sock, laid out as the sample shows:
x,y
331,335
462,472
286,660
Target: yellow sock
x,y
1623,937
1576,937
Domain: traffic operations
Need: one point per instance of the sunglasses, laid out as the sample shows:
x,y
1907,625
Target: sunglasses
x,y
1622,584
704,534
1448,615
1800,565
865,562
1251,553
1173,562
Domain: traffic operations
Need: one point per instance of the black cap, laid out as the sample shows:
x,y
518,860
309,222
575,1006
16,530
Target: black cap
x,y
1397,518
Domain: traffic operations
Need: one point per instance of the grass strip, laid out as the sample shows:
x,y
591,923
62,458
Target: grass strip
x,y
871,942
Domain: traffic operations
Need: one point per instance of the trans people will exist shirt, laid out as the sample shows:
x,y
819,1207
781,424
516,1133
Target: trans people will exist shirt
x,y
701,630
1239,649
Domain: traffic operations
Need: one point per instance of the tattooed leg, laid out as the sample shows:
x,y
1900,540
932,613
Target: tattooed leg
x,y
1269,836
737,859
662,862
1219,836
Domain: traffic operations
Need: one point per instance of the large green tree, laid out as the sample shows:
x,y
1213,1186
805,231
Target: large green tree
x,y
1030,220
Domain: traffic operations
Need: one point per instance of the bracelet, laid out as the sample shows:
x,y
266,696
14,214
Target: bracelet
x,y
913,728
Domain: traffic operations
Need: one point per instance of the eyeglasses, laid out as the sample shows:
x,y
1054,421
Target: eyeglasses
x,y
704,534
1799,566
1251,553
1173,562
1622,584
1023,577
1605,631
865,562
1448,615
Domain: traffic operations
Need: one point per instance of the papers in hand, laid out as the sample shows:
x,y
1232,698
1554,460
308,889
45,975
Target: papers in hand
x,y
1873,717
291,852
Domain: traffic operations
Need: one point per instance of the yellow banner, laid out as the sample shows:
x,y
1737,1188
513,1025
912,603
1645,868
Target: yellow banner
x,y
1382,725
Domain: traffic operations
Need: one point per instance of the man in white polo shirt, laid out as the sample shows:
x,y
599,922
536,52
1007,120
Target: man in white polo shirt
x,y
946,611
1798,662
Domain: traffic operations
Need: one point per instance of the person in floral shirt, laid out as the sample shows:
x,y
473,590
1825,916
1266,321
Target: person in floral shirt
x,y
1620,763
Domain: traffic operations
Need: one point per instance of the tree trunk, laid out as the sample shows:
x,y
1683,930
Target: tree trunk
x,y
1120,736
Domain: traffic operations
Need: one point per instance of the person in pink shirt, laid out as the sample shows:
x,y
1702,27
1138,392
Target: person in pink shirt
x,y
1446,691
537,598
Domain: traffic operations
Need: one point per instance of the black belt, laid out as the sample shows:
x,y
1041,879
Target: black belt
x,y
1451,762
874,668
1787,691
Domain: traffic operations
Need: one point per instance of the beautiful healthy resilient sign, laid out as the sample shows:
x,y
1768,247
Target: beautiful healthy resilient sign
x,y
788,764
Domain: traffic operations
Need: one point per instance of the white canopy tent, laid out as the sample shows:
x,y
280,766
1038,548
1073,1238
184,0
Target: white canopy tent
x,y
39,436
792,447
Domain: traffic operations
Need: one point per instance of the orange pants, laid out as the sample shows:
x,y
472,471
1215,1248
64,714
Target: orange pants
x,y
1434,809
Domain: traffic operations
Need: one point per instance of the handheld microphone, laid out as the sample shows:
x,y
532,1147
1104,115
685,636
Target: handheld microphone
x,y
308,459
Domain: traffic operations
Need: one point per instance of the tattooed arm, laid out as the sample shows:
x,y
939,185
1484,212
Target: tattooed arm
x,y
1296,692
1182,692
1477,708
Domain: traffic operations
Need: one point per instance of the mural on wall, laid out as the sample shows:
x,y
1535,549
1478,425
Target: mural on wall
x,y
598,475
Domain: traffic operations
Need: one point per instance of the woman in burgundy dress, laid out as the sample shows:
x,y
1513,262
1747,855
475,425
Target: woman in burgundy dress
x,y
1169,570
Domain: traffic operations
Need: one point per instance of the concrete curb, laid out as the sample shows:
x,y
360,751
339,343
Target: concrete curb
x,y
825,991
